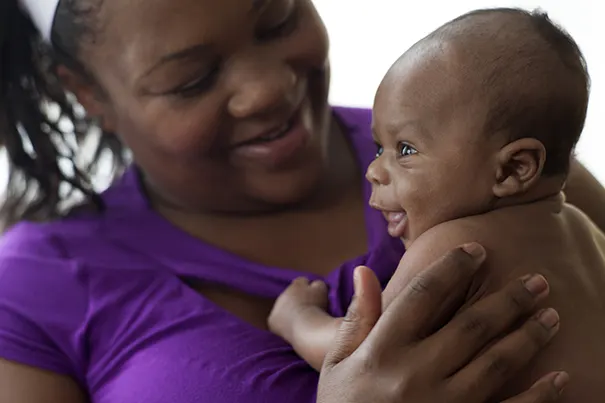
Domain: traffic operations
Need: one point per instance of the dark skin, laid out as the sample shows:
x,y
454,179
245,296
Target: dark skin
x,y
584,191
251,68
270,200
324,179
456,184
369,338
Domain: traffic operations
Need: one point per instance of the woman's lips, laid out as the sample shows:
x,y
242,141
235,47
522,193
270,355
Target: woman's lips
x,y
276,149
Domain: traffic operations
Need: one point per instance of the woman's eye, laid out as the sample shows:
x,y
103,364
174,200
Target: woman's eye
x,y
283,28
405,150
379,150
197,86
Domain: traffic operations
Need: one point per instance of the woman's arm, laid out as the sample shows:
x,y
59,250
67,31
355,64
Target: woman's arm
x,y
22,384
584,191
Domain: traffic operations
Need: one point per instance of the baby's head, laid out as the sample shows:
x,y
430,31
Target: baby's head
x,y
482,113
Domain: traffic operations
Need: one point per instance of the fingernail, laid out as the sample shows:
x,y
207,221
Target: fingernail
x,y
561,381
535,284
475,250
358,289
549,318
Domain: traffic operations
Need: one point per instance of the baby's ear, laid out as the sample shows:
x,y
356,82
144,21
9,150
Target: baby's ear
x,y
520,165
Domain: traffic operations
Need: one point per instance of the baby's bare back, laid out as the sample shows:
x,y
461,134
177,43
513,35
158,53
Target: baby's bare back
x,y
568,249
557,241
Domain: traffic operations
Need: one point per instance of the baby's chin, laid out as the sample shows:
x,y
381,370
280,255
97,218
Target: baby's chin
x,y
407,242
410,235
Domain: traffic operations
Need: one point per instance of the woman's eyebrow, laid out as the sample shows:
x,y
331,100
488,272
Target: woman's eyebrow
x,y
194,51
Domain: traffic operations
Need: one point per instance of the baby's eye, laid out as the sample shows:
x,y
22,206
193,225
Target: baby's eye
x,y
379,150
405,150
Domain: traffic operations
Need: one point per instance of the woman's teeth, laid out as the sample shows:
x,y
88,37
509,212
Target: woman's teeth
x,y
277,133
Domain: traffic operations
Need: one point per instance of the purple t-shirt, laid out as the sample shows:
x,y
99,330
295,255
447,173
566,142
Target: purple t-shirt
x,y
100,297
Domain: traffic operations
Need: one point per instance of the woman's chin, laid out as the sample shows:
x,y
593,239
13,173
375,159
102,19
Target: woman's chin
x,y
289,192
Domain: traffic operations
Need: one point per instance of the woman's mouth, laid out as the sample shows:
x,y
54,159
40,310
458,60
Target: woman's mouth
x,y
397,223
270,136
277,146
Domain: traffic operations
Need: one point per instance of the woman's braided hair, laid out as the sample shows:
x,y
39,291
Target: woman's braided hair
x,y
53,148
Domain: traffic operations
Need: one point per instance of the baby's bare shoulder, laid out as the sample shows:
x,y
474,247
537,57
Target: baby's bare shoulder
x,y
578,220
428,248
446,236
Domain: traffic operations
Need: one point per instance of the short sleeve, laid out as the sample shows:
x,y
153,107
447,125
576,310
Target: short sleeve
x,y
43,303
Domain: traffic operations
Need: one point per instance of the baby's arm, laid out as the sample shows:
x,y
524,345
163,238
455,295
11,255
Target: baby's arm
x,y
299,316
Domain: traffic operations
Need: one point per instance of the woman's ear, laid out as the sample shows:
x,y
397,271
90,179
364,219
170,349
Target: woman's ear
x,y
88,95
520,165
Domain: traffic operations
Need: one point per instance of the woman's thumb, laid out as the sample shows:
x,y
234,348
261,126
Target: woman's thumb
x,y
362,315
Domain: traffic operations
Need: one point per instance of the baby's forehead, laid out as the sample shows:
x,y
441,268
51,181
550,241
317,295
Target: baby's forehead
x,y
435,79
427,98
428,118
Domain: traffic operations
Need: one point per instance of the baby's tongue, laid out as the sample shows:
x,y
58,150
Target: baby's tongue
x,y
397,223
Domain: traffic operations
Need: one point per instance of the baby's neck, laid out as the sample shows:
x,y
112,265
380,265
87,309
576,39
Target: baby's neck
x,y
548,188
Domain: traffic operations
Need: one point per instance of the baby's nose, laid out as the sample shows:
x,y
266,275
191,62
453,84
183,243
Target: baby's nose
x,y
377,173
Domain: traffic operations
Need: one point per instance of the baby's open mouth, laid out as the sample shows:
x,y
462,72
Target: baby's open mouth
x,y
397,222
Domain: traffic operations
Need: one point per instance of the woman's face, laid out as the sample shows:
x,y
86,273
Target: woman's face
x,y
222,102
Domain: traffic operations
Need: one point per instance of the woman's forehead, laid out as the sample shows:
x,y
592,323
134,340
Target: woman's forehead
x,y
181,15
142,32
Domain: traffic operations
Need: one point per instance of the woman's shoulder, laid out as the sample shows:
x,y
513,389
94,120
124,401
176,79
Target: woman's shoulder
x,y
32,240
48,267
42,300
357,123
62,239
36,256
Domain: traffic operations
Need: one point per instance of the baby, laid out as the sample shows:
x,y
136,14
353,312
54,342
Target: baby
x,y
475,127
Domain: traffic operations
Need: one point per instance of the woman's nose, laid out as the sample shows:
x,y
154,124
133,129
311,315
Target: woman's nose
x,y
377,174
262,87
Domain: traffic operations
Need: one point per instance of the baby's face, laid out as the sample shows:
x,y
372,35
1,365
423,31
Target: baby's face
x,y
432,164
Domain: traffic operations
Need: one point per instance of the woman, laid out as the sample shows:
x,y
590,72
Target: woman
x,y
158,290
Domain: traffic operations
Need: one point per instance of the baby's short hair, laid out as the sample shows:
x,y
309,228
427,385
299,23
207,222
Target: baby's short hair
x,y
532,74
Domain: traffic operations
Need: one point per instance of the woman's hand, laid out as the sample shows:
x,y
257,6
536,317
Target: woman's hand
x,y
394,358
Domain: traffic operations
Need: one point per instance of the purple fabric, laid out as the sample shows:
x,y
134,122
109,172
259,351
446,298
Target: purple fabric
x,y
100,298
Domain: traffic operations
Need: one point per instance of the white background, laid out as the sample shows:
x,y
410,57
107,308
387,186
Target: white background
x,y
369,35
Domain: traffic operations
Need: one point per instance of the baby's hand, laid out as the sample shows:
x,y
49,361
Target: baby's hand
x,y
292,303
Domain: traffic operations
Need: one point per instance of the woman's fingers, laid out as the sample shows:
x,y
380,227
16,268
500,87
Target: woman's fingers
x,y
428,298
546,390
474,328
397,363
501,361
362,315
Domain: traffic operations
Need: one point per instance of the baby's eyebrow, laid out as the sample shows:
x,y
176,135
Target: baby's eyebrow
x,y
410,126
400,126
